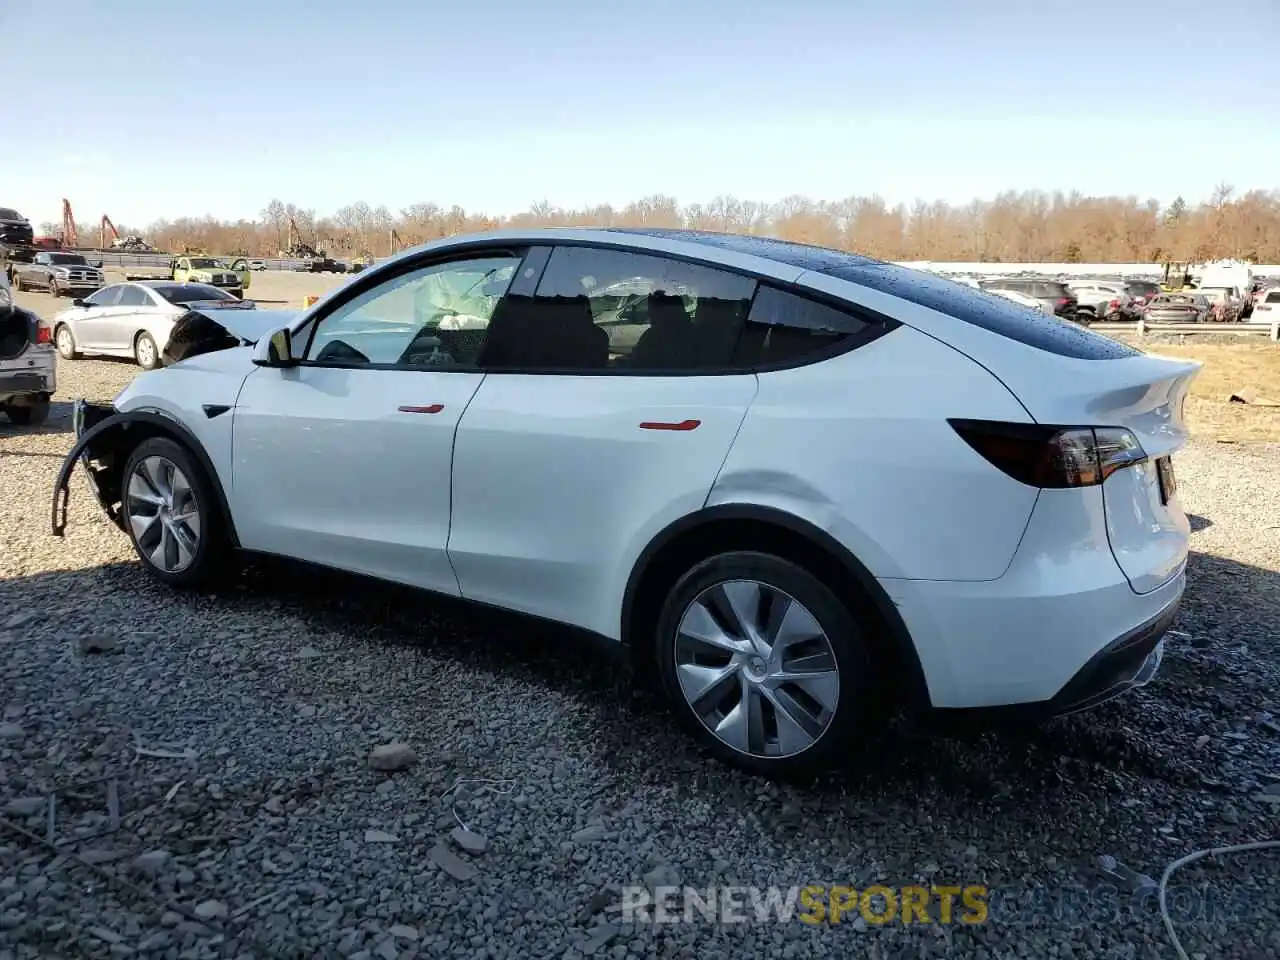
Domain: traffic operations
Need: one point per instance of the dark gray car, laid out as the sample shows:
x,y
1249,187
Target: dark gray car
x,y
1178,308
1056,297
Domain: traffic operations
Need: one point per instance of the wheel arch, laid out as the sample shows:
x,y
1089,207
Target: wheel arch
x,y
110,442
752,527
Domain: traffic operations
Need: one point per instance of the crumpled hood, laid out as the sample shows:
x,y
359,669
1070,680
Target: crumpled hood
x,y
247,325
207,328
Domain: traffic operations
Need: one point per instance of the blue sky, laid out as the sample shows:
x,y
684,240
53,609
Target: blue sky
x,y
162,108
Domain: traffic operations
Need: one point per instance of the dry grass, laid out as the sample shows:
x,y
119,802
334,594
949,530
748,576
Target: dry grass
x,y
1228,368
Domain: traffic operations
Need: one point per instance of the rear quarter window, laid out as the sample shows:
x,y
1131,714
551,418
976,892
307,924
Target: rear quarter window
x,y
995,314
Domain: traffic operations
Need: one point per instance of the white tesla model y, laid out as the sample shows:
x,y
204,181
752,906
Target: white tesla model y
x,y
788,478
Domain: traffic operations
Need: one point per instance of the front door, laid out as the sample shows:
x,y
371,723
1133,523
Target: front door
x,y
92,323
345,459
605,414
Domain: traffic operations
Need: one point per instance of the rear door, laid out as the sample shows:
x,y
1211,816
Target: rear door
x,y
124,322
580,446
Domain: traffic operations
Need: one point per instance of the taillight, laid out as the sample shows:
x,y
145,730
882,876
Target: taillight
x,y
1052,457
1114,305
43,334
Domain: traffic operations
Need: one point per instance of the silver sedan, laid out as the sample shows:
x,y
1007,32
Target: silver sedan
x,y
134,319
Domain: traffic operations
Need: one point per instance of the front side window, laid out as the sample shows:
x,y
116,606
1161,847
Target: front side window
x,y
106,297
598,309
436,316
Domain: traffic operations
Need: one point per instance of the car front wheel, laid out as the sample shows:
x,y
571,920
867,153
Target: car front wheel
x,y
172,515
65,341
145,352
765,665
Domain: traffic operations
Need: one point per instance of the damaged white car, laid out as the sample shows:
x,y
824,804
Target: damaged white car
x,y
800,486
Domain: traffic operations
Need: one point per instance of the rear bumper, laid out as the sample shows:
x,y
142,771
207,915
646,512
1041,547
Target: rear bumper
x,y
1060,631
38,374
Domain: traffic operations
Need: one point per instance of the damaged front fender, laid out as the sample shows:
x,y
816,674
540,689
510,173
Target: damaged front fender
x,y
99,431
104,439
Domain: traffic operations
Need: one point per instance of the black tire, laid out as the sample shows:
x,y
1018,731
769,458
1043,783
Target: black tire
x,y
846,639
145,352
54,289
16,279
68,353
28,416
210,562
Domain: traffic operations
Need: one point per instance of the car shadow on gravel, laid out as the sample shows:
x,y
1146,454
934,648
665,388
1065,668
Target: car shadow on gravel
x,y
59,422
1208,677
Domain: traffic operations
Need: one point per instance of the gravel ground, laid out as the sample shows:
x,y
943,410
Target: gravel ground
x,y
263,817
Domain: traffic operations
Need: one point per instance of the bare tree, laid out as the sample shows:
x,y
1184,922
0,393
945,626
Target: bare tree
x,y
1032,225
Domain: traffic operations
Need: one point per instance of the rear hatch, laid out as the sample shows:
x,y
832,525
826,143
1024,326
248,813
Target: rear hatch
x,y
1066,375
18,330
1173,312
1143,394
1058,296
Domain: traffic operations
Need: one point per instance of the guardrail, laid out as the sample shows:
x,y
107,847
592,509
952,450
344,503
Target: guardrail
x,y
1144,327
156,261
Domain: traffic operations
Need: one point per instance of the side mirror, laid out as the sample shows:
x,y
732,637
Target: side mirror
x,y
79,302
275,350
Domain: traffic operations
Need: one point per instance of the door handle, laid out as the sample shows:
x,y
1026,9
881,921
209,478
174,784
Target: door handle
x,y
670,425
429,408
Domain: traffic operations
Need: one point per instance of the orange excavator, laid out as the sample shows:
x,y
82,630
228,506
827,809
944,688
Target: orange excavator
x,y
70,239
105,227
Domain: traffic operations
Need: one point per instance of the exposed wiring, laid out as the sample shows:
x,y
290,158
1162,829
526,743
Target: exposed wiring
x,y
500,787
1192,858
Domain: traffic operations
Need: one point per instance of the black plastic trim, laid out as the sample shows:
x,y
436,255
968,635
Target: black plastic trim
x,y
917,688
119,422
212,410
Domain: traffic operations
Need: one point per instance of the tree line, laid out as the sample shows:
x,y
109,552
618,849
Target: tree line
x,y
1012,227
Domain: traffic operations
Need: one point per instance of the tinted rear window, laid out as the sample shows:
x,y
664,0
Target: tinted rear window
x,y
189,292
995,314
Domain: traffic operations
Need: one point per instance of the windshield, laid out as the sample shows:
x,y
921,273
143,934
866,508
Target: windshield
x,y
204,263
8,213
73,259
189,292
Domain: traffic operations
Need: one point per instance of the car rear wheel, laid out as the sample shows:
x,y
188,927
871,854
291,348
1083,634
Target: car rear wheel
x,y
172,515
17,282
65,340
145,352
764,664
